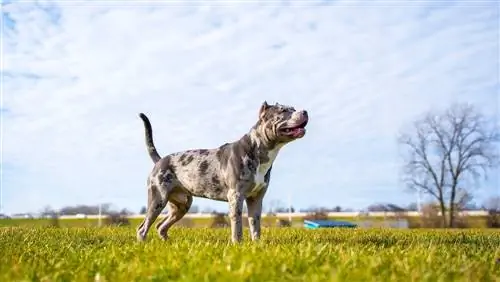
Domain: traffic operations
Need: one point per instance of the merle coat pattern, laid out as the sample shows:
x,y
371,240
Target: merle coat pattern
x,y
234,172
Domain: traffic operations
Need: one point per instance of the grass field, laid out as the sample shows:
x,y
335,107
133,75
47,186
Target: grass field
x,y
286,254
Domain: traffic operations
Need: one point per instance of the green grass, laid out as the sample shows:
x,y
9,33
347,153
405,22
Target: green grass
x,y
288,254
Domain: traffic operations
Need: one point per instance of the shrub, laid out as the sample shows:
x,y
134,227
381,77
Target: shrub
x,y
316,215
270,214
493,219
283,223
430,217
219,220
116,219
461,221
53,220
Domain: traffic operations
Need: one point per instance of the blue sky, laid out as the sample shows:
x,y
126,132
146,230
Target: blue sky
x,y
77,74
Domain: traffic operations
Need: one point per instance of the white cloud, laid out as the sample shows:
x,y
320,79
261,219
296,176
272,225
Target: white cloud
x,y
78,75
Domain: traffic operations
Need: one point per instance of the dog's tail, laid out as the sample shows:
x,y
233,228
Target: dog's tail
x,y
149,139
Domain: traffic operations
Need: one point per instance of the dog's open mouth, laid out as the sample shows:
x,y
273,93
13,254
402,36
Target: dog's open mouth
x,y
295,131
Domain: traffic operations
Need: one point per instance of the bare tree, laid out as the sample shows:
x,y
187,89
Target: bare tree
x,y
492,204
276,206
444,151
412,207
463,199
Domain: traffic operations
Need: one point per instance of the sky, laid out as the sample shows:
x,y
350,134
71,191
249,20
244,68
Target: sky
x,y
76,74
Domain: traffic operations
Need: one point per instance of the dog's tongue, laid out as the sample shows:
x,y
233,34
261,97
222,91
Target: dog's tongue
x,y
298,132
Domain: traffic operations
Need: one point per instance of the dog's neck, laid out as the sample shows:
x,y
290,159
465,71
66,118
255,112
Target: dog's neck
x,y
259,145
260,140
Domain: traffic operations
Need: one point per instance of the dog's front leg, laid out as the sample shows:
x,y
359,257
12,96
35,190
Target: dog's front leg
x,y
254,206
235,199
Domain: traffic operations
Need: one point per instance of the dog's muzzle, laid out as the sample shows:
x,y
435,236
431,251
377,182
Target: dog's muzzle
x,y
296,130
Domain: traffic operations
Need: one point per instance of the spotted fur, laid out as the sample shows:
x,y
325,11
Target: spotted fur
x,y
235,172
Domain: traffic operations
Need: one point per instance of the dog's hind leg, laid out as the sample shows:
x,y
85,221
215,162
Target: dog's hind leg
x,y
178,205
156,203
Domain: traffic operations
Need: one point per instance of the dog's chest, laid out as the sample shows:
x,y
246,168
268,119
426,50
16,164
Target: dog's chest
x,y
261,171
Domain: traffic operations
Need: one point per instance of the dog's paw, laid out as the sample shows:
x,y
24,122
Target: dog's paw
x,y
140,237
163,237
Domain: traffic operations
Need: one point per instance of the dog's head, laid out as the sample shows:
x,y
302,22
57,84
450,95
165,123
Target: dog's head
x,y
280,123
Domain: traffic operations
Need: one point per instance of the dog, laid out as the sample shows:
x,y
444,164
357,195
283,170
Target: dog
x,y
235,172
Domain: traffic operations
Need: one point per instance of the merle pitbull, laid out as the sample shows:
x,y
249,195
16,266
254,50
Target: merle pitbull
x,y
234,172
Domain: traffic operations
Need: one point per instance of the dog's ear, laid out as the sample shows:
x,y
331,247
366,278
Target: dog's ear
x,y
263,109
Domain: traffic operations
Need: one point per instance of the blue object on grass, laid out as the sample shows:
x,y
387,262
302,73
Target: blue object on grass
x,y
314,224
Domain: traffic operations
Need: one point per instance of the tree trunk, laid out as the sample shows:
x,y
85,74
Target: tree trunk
x,y
452,204
443,212
452,217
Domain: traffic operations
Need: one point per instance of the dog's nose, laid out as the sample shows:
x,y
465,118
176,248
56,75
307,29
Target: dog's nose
x,y
304,113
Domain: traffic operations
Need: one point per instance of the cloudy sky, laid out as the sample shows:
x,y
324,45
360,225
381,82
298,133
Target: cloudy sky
x,y
76,74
